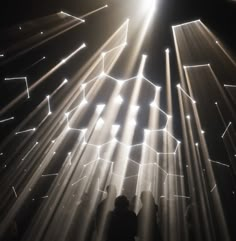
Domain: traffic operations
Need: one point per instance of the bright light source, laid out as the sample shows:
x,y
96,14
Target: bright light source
x,y
153,104
100,108
148,5
83,102
100,123
178,85
65,81
119,99
133,122
188,117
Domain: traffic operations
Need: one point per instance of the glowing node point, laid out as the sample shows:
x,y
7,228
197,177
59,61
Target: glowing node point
x,y
104,54
133,122
63,61
119,99
153,104
179,142
188,117
44,57
49,113
100,108
53,141
169,116
196,144
83,86
41,32
217,42
84,102
34,129
67,114
167,50
202,131
65,81
216,103
84,44
178,86
165,130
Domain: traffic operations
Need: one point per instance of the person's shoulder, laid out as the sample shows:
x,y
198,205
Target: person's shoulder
x,y
132,213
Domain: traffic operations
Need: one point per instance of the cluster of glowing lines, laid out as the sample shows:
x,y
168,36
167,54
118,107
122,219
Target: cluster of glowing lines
x,y
99,159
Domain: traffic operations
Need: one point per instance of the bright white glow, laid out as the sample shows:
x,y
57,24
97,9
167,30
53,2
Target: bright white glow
x,y
178,86
65,81
115,129
188,117
133,122
153,104
148,5
196,144
135,108
216,103
167,51
41,33
1,55
203,132
100,108
100,123
119,99
84,102
67,114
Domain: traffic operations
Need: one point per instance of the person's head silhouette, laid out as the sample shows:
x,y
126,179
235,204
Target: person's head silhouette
x,y
121,202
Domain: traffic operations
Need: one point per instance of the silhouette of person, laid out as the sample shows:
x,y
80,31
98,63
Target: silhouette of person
x,y
148,228
103,209
122,223
81,226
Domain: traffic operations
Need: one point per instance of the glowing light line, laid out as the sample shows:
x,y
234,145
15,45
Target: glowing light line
x,y
179,87
230,86
49,107
196,66
27,154
5,120
226,130
25,131
180,196
35,63
187,23
14,190
26,83
81,179
67,14
219,163
44,197
50,175
213,188
94,11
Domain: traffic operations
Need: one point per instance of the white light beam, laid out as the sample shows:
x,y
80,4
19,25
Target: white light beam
x,y
5,120
226,129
